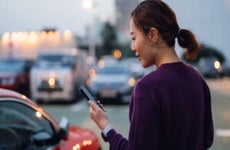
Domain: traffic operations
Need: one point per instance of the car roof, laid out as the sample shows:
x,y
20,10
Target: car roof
x,y
9,93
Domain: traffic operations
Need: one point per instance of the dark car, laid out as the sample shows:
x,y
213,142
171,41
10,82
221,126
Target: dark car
x,y
112,83
14,75
25,125
210,67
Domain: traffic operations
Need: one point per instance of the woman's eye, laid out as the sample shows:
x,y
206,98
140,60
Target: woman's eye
x,y
133,39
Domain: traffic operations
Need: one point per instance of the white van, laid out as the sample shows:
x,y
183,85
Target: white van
x,y
57,75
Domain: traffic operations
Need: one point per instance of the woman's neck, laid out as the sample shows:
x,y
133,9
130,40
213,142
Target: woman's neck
x,y
167,55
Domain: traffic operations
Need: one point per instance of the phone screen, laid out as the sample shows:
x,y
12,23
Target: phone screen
x,y
90,96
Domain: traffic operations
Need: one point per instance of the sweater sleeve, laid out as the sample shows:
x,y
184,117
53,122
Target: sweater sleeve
x,y
144,123
117,141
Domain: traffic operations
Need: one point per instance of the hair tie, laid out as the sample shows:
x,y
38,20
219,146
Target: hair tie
x,y
178,32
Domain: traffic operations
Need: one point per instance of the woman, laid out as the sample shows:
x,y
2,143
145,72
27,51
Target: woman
x,y
170,108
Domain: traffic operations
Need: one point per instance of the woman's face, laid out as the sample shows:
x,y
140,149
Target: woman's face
x,y
141,45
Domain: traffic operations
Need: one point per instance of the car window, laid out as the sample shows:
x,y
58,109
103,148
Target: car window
x,y
18,115
11,65
113,70
55,59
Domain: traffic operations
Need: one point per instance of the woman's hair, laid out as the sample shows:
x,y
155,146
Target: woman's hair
x,y
155,13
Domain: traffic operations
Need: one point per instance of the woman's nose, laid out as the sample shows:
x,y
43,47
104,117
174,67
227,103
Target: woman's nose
x,y
133,48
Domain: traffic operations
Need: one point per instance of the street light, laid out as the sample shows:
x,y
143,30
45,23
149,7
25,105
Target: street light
x,y
89,5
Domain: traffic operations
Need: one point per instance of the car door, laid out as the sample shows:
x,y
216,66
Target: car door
x,y
24,127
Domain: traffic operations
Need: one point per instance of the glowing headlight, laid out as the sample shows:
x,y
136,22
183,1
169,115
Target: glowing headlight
x,y
52,82
101,63
132,81
92,73
217,65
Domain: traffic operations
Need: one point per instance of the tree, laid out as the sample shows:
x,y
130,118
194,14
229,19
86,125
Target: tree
x,y
109,38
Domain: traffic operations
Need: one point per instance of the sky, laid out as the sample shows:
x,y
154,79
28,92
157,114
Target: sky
x,y
208,19
27,15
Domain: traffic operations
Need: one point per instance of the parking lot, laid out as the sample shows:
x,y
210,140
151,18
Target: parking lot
x,y
220,90
78,114
221,85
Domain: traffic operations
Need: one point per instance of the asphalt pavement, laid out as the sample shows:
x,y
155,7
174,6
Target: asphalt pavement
x,y
221,85
220,93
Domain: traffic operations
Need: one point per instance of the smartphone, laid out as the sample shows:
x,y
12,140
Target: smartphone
x,y
90,96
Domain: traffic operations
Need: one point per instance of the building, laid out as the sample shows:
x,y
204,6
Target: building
x,y
123,9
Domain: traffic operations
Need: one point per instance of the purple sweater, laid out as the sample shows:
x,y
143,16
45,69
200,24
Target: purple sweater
x,y
170,109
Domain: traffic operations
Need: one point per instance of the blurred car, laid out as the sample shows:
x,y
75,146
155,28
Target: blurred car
x,y
57,75
14,75
25,125
107,60
136,68
210,67
112,83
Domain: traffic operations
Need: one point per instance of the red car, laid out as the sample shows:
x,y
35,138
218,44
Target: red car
x,y
14,75
25,125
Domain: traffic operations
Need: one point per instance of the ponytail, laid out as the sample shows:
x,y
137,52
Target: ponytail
x,y
187,40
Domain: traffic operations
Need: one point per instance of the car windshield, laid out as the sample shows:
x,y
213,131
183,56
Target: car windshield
x,y
11,65
113,70
55,59
19,115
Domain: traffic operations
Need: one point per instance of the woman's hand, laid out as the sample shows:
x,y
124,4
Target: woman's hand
x,y
98,115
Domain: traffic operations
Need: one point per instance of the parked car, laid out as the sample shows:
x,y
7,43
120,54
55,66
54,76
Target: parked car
x,y
112,83
210,67
57,75
14,75
25,125
136,68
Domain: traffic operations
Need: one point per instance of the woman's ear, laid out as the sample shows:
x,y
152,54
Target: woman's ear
x,y
153,35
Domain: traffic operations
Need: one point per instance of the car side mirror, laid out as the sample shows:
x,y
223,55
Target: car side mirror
x,y
64,128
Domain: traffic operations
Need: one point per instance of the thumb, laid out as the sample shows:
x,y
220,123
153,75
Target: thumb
x,y
92,105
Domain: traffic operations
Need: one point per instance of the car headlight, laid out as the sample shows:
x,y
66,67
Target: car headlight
x,y
52,82
128,85
132,81
217,65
